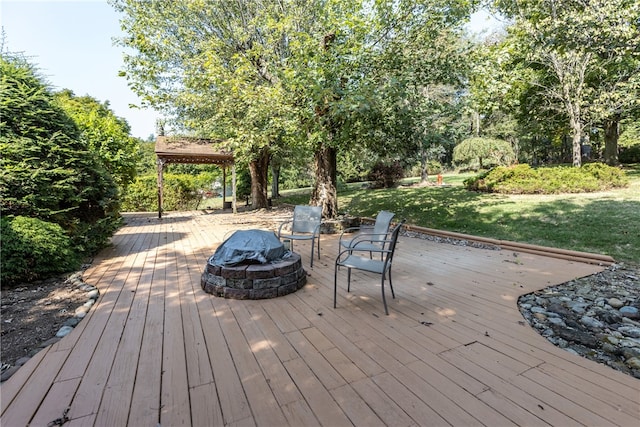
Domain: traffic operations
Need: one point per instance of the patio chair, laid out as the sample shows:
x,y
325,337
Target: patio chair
x,y
350,259
368,237
305,225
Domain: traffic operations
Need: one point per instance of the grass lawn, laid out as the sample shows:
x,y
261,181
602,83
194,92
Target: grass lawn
x,y
604,222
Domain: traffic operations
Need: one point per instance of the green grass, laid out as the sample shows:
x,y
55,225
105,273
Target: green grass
x,y
604,222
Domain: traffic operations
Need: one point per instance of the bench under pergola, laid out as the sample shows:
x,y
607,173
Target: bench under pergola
x,y
195,151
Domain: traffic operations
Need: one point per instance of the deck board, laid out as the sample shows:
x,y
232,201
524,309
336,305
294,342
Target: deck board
x,y
156,350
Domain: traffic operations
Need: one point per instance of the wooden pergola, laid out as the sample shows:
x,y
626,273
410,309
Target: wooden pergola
x,y
196,151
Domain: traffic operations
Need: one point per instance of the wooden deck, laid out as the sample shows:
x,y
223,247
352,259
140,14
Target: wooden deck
x,y
157,350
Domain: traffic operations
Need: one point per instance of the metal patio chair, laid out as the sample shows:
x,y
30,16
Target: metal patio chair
x,y
351,258
367,236
305,225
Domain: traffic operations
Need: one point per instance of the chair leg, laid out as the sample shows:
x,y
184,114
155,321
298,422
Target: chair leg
x,y
391,285
384,298
348,279
335,285
312,243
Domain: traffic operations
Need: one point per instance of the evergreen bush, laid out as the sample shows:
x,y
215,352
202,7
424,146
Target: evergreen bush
x,y
523,179
47,172
32,249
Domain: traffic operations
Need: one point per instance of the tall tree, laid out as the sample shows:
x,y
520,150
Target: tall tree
x,y
585,54
106,135
244,70
429,71
211,65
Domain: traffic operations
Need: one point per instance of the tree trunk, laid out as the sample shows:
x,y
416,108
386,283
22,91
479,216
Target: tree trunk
x,y
275,183
424,173
325,191
259,170
576,143
611,133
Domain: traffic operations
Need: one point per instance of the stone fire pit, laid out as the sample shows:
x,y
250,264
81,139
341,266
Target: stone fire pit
x,y
253,264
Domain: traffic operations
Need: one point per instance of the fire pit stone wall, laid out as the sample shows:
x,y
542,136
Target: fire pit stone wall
x,y
255,281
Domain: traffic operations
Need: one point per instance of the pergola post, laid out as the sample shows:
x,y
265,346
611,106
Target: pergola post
x,y
160,164
224,185
233,187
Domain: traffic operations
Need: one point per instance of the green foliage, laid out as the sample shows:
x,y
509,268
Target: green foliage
x,y
181,192
573,63
630,154
604,222
630,135
386,174
523,179
243,184
434,167
31,248
478,153
105,134
47,171
298,77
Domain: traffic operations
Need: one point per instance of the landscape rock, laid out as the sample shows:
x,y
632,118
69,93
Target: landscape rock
x,y
64,331
630,312
594,317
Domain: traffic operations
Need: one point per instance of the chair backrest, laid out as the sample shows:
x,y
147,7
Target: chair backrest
x,y
383,221
392,244
306,218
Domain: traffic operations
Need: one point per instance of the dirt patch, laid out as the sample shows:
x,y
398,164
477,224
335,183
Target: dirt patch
x,y
33,312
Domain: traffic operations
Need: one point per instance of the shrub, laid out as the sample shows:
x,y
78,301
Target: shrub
x,y
180,192
32,249
523,179
630,154
386,175
607,176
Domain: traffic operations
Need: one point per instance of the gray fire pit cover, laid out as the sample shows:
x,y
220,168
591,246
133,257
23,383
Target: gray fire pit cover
x,y
248,245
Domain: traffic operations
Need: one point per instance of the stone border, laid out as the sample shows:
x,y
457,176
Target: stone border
x,y
255,281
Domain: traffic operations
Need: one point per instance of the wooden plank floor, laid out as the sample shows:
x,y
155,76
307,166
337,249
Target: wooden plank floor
x,y
157,350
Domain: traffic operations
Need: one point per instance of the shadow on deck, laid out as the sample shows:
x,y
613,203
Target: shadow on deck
x,y
157,350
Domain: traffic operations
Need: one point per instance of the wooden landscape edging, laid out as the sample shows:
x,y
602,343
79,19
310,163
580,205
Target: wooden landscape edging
x,y
566,254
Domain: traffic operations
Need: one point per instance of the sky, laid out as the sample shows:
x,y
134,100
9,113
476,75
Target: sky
x,y
71,43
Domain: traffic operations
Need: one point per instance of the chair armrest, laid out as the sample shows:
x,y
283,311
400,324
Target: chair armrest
x,y
350,252
368,237
369,249
282,225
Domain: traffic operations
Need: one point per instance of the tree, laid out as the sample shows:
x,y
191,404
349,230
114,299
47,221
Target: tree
x,y
487,152
267,73
614,38
431,68
585,56
106,135
213,66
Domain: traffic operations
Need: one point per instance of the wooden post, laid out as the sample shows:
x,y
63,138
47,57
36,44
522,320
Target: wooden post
x,y
233,187
224,185
160,164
